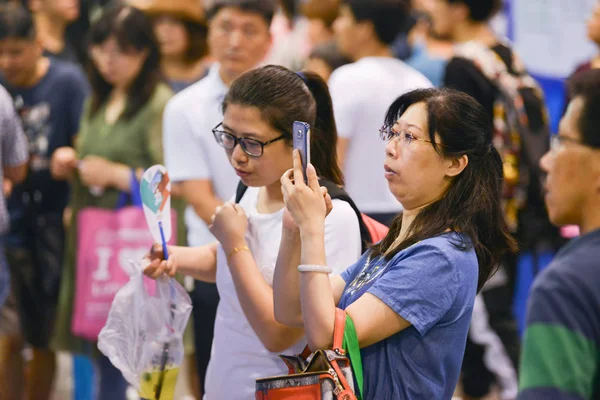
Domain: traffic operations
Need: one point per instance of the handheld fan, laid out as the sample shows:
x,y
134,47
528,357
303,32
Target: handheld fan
x,y
155,190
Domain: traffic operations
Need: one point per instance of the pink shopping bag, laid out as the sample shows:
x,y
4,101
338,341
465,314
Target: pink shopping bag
x,y
106,241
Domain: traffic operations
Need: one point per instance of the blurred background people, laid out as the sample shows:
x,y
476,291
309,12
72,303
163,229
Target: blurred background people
x,y
324,59
180,29
362,92
13,169
52,18
288,32
48,94
325,55
320,14
120,130
429,53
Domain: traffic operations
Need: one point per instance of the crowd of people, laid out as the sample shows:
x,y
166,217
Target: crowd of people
x,y
425,117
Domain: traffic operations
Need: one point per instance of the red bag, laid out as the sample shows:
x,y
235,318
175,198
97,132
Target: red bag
x,y
325,374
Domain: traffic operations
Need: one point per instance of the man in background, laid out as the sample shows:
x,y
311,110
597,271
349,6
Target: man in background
x,y
561,348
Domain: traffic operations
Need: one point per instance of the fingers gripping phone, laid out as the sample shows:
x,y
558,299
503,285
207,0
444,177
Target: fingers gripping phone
x,y
301,140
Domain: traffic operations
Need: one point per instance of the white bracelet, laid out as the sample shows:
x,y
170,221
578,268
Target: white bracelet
x,y
315,268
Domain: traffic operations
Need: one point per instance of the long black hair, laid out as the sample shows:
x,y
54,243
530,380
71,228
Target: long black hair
x,y
283,96
133,32
471,205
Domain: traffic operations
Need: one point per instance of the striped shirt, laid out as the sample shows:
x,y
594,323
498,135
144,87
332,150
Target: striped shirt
x,y
561,349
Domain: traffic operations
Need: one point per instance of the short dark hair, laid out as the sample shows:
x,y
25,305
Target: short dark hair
x,y
282,97
586,85
481,10
132,30
264,8
389,17
464,129
16,22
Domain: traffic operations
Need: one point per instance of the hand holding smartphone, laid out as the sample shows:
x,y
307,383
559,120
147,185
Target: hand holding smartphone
x,y
301,140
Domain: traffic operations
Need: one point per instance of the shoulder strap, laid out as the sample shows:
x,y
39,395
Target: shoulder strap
x,y
239,192
338,330
337,192
353,349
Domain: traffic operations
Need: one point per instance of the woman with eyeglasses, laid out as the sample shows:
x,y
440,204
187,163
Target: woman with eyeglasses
x,y
259,111
410,296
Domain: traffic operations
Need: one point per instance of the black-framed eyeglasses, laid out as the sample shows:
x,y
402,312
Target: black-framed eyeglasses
x,y
387,133
252,147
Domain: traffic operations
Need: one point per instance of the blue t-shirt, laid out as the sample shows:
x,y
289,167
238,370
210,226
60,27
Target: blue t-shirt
x,y
432,285
430,66
50,113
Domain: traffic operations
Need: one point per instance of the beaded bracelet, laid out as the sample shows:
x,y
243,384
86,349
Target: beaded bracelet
x,y
315,268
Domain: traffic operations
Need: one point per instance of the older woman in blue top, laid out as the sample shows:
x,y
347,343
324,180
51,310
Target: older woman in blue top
x,y
411,295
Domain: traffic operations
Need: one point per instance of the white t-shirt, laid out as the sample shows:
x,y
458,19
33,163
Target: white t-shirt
x,y
362,92
191,152
238,356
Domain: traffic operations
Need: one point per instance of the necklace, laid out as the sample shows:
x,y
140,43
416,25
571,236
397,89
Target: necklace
x,y
366,275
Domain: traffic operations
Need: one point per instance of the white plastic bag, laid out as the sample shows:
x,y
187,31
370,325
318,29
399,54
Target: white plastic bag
x,y
143,336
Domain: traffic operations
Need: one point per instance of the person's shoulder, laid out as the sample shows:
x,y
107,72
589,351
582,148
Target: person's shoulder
x,y
446,242
346,74
410,76
449,248
161,96
574,269
460,64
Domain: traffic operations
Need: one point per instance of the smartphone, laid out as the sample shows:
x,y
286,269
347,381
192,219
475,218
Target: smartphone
x,y
301,140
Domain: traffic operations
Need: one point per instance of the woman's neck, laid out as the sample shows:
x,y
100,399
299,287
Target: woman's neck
x,y
115,105
270,199
372,49
51,32
408,217
117,94
178,69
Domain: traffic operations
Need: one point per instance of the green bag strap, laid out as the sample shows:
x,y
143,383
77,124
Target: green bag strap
x,y
353,351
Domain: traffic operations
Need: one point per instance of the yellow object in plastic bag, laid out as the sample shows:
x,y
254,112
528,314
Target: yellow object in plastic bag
x,y
143,335
149,384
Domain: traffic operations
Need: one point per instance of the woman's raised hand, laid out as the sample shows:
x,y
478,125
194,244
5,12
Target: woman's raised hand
x,y
229,226
307,204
